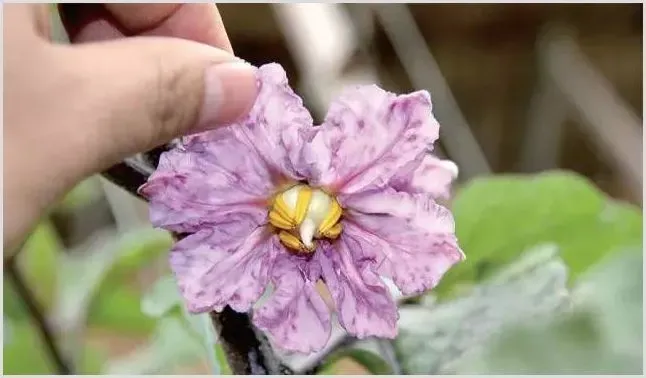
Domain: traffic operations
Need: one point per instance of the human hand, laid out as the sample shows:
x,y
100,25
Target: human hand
x,y
74,110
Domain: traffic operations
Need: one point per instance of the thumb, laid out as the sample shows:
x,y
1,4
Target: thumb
x,y
141,92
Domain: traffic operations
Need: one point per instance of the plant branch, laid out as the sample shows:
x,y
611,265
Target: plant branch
x,y
63,367
248,351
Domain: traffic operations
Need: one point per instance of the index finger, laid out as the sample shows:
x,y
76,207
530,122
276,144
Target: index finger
x,y
196,22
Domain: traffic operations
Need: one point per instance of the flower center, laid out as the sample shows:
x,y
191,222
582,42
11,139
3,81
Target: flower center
x,y
303,214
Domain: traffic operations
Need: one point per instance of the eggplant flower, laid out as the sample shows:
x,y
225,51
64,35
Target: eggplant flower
x,y
273,200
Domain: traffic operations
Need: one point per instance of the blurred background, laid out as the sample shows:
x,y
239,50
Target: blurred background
x,y
540,107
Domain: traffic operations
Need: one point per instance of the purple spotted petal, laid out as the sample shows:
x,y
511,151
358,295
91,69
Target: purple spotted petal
x,y
278,125
211,277
429,175
367,136
295,316
413,236
209,184
363,303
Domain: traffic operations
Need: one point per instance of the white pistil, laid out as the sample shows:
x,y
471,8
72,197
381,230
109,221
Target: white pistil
x,y
306,232
317,209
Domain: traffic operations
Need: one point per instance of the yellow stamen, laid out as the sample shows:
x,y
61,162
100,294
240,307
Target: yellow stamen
x,y
331,218
302,204
333,232
282,208
293,242
302,214
279,221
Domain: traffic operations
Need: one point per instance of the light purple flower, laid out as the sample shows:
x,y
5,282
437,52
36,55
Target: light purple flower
x,y
274,200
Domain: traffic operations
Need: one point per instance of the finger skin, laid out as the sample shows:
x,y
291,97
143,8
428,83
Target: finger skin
x,y
151,90
71,110
196,22
141,17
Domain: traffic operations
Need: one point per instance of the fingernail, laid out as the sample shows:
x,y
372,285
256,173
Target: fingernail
x,y
230,91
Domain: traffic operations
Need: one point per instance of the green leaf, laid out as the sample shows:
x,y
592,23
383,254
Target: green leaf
x,y
13,306
221,358
81,275
7,330
164,299
25,342
434,337
602,334
37,262
206,334
613,293
103,268
25,354
499,217
372,362
83,194
171,346
118,309
139,249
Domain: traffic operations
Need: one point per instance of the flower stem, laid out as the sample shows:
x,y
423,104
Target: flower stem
x,y
248,351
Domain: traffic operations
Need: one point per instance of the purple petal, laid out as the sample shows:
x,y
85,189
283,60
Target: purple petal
x,y
208,184
367,136
363,303
414,236
295,316
429,175
278,125
211,277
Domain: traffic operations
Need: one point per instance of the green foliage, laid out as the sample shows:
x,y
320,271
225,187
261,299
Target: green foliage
x,y
37,261
560,225
171,346
136,250
602,334
164,301
498,217
103,268
162,298
7,330
24,353
88,285
433,337
115,305
221,358
13,306
372,362
118,309
82,195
